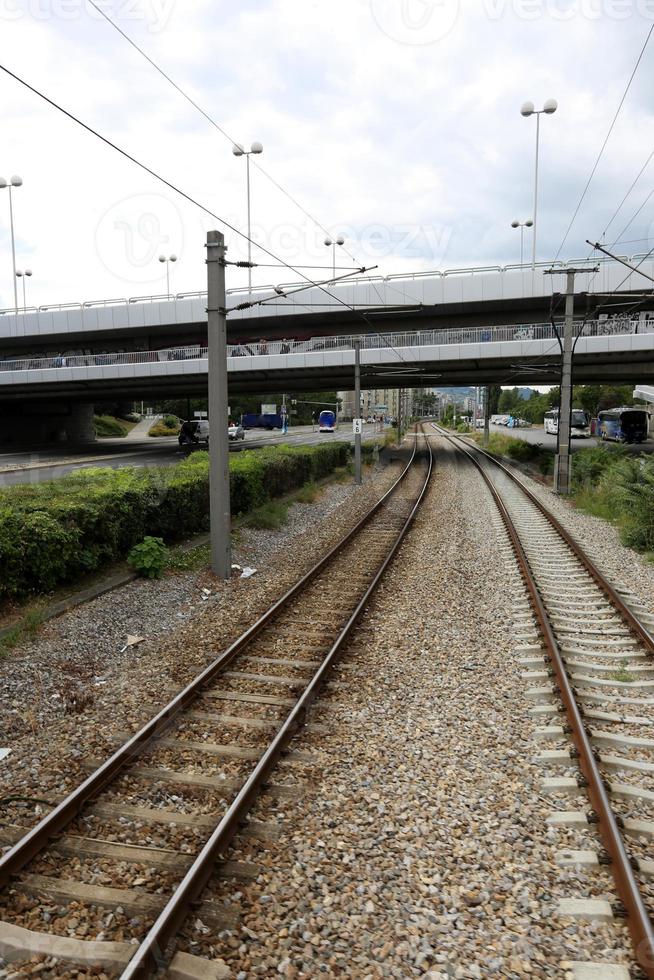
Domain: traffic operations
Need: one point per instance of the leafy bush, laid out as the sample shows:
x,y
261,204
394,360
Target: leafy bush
x,y
168,426
618,487
108,427
57,531
149,558
588,465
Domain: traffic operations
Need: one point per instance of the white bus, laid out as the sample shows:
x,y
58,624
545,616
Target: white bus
x,y
579,423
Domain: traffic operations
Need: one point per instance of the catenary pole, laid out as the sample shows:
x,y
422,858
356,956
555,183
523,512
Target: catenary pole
x,y
562,458
219,510
486,415
357,409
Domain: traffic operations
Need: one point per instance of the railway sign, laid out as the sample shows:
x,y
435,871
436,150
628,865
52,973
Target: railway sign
x,y
357,426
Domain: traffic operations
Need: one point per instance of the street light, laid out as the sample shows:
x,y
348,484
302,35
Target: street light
x,y
240,151
528,110
168,259
334,242
522,225
22,275
13,182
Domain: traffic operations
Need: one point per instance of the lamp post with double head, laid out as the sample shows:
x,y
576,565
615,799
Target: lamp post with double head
x,y
13,182
522,225
240,151
23,275
333,242
528,110
168,259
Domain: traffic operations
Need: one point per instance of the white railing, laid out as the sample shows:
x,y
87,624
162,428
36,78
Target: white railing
x,y
373,341
395,277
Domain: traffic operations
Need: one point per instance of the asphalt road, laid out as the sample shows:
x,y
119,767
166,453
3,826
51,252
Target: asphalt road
x,y
49,463
537,434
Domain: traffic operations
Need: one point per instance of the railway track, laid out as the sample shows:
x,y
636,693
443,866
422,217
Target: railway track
x,y
588,652
135,844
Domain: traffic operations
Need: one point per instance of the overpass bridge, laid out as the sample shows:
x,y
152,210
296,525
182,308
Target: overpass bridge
x,y
456,298
459,326
609,350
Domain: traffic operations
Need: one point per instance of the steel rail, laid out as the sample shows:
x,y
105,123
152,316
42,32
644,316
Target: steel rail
x,y
638,920
36,839
634,623
151,956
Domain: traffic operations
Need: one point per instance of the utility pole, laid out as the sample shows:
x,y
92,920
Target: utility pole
x,y
562,458
357,405
486,415
399,416
219,509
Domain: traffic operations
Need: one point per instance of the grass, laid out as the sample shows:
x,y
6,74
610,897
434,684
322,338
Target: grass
x,y
307,494
270,517
529,453
26,628
189,560
623,676
107,427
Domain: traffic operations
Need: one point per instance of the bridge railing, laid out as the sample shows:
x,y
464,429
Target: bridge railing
x,y
241,291
372,341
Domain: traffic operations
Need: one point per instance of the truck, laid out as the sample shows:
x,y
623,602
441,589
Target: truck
x,y
255,420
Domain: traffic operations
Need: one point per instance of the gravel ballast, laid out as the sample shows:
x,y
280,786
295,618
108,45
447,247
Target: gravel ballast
x,y
421,847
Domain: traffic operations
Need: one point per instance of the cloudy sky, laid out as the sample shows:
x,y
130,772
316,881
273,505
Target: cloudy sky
x,y
394,122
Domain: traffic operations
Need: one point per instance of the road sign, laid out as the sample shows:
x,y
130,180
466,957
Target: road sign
x,y
199,415
357,426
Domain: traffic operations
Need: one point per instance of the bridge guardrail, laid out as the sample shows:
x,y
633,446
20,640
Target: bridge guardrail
x,y
239,291
375,341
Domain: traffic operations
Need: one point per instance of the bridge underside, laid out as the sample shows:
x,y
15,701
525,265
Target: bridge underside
x,y
607,367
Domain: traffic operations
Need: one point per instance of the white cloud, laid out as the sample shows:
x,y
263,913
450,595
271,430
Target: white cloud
x,y
422,141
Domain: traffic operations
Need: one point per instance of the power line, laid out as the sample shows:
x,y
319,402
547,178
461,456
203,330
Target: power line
x,y
606,139
635,181
171,186
192,200
208,117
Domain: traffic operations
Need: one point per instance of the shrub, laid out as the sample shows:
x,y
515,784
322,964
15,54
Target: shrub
x,y
163,428
108,427
54,532
149,558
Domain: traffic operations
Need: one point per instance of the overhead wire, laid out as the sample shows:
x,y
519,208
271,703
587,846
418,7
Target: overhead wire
x,y
190,199
606,140
208,117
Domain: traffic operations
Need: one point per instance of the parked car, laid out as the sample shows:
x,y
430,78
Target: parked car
x,y
235,431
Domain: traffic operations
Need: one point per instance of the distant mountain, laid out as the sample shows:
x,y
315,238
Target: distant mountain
x,y
466,392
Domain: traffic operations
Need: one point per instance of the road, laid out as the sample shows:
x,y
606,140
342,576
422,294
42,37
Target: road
x,y
536,434
49,463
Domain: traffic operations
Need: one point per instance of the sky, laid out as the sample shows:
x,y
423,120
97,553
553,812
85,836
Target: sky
x,y
395,123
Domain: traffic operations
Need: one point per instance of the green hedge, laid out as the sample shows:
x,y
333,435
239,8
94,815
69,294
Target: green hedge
x,y
55,532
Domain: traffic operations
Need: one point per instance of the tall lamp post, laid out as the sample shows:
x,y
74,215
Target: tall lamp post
x,y
522,225
13,182
333,242
239,151
528,110
23,275
168,259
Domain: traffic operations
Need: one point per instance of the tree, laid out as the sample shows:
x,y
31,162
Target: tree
x,y
494,392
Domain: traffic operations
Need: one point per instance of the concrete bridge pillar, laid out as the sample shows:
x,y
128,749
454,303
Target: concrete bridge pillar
x,y
24,424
